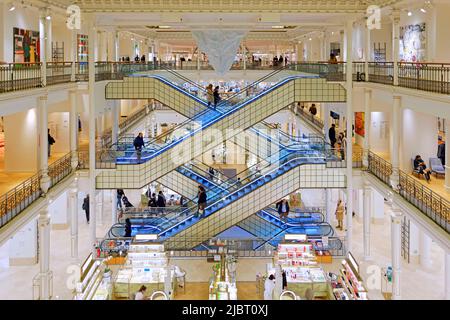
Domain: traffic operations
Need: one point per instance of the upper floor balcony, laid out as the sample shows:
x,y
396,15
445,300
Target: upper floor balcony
x,y
430,77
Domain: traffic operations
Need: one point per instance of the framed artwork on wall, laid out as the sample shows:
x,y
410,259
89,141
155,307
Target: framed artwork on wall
x,y
359,123
26,46
413,43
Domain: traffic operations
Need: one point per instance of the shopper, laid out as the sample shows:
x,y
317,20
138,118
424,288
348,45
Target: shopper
x,y
126,202
138,145
152,201
421,168
136,59
161,202
201,200
441,150
332,135
283,274
127,228
283,209
313,109
332,59
216,96
140,294
143,58
211,173
340,214
280,60
269,285
275,61
171,201
210,94
120,194
51,141
343,144
85,207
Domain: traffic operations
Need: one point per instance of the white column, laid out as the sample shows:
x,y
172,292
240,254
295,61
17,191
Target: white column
x,y
447,275
425,250
349,152
367,123
322,47
367,214
396,42
395,139
73,208
48,27
43,142
198,59
116,45
328,207
342,46
43,46
396,218
92,206
414,242
244,55
367,54
44,254
447,160
326,120
73,55
73,128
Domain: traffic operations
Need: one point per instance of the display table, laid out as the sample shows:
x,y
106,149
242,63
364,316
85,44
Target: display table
x,y
147,264
222,285
299,262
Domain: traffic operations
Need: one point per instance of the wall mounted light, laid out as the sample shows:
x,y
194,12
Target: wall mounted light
x,y
12,7
49,17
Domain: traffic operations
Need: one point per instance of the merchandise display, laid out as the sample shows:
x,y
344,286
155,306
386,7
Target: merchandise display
x,y
223,283
352,280
299,262
95,281
147,264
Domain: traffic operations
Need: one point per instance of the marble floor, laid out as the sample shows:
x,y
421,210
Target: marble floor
x,y
437,184
17,280
416,282
9,180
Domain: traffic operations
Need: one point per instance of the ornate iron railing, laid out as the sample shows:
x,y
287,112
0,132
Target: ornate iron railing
x,y
436,207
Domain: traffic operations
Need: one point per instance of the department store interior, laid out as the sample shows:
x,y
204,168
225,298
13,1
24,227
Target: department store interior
x,y
201,150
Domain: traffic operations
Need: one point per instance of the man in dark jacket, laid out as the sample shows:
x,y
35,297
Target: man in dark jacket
x,y
86,207
332,135
161,202
283,209
441,150
51,141
138,145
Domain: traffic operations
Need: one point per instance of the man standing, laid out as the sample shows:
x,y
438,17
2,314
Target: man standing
x,y
138,145
332,135
441,150
86,207
50,141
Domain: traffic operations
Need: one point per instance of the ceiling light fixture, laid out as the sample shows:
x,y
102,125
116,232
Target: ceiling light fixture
x,y
310,39
164,27
48,17
409,13
277,27
12,7
423,10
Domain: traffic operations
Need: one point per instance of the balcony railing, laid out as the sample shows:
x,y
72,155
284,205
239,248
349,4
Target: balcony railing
x,y
20,76
434,206
432,77
20,197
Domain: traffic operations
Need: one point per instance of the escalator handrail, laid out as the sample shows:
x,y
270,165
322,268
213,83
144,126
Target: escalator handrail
x,y
236,191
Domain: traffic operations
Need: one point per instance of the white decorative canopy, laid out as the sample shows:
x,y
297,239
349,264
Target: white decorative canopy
x,y
221,46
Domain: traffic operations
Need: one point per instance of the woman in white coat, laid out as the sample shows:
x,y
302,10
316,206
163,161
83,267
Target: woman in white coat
x,y
269,285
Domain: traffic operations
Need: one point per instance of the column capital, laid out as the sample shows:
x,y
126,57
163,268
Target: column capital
x,y
43,97
395,16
